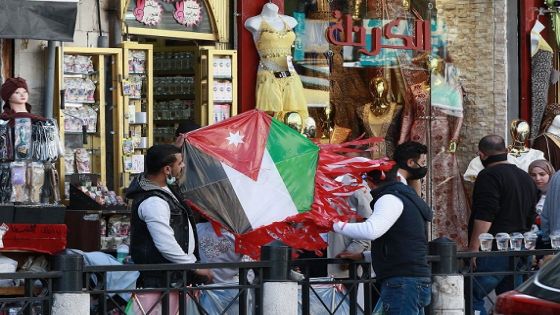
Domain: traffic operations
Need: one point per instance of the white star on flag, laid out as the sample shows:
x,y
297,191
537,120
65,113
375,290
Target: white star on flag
x,y
235,138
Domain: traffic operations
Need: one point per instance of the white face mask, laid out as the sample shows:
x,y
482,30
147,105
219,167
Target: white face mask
x,y
170,180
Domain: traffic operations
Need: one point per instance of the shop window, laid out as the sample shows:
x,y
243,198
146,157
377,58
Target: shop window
x,y
447,96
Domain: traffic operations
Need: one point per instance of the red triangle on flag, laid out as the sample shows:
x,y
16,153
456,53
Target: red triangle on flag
x,y
239,141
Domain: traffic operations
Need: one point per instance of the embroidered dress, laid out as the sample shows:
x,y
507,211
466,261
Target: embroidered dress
x,y
449,202
279,88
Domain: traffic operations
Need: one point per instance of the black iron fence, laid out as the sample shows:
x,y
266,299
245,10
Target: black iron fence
x,y
247,297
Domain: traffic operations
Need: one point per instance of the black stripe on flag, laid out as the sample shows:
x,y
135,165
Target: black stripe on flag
x,y
208,187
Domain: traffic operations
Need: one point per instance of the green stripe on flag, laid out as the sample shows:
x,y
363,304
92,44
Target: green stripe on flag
x,y
296,159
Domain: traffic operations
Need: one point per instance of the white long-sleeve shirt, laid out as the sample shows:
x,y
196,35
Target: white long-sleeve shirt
x,y
386,212
157,214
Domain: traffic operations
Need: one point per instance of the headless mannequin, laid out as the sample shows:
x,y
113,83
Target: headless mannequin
x,y
269,14
378,116
549,142
279,89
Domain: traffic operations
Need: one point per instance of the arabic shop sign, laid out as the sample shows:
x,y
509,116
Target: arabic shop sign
x,y
345,33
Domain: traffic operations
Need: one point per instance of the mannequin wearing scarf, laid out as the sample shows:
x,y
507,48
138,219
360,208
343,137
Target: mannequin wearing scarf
x,y
549,139
14,93
451,211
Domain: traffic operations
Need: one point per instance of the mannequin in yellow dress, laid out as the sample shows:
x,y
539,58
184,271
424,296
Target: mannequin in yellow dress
x,y
379,117
279,87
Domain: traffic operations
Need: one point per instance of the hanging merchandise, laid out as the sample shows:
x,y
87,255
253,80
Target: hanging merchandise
x,y
19,187
83,161
6,150
50,192
5,183
46,141
37,177
22,141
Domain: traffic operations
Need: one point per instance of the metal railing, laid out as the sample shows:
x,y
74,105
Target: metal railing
x,y
36,296
519,270
38,288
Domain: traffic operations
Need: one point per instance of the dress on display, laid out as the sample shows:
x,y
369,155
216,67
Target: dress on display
x,y
449,202
279,88
384,126
541,68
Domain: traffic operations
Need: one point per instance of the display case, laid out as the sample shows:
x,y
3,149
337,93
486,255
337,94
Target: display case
x,y
175,89
87,92
134,120
218,85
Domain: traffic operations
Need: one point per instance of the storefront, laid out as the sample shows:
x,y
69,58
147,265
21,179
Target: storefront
x,y
434,72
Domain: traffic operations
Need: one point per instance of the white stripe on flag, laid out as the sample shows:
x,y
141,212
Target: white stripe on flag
x,y
266,200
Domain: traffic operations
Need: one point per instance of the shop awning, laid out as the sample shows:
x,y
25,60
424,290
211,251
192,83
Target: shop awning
x,y
38,19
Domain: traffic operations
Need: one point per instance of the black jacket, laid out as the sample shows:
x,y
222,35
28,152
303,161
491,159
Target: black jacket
x,y
402,251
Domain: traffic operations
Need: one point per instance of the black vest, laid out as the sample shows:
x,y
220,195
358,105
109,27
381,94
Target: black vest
x,y
402,250
142,247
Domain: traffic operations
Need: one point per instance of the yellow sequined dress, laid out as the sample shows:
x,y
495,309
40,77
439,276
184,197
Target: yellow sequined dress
x,y
278,94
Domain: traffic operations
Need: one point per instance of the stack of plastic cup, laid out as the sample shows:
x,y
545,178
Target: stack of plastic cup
x,y
502,241
555,240
486,242
516,241
530,240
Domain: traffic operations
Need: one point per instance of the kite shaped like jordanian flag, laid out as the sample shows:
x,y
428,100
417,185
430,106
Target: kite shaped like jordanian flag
x,y
262,180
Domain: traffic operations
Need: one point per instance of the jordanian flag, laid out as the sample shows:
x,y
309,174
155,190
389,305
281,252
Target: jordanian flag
x,y
263,181
250,171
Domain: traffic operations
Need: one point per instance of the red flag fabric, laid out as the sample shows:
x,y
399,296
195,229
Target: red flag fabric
x,y
238,142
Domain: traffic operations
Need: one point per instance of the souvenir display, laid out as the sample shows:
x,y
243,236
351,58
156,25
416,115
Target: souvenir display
x,y
22,139
28,144
5,183
18,181
6,150
83,161
78,64
102,195
36,173
79,90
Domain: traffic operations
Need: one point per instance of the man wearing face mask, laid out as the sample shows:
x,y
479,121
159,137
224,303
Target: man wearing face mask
x,y
411,159
504,200
162,227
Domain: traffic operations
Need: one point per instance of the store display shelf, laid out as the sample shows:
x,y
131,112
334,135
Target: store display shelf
x,y
79,133
163,121
78,103
174,97
223,77
103,211
161,73
137,73
135,98
78,75
223,101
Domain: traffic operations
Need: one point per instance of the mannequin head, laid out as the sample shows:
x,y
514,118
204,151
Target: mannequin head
x,y
378,88
15,95
519,130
